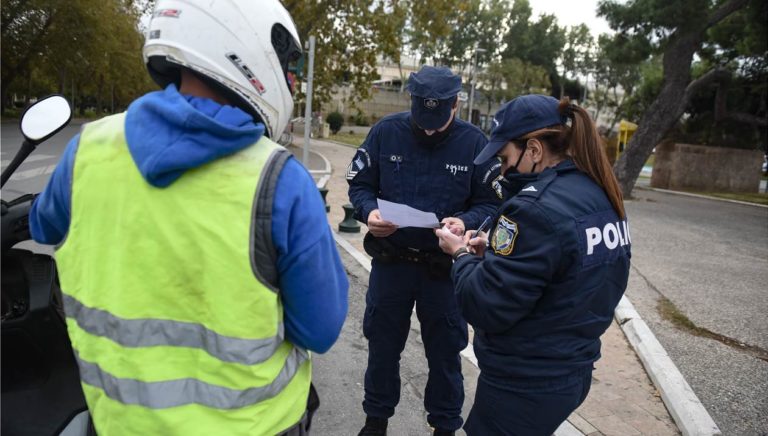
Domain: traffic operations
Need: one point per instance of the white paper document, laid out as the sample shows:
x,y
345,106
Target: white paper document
x,y
405,216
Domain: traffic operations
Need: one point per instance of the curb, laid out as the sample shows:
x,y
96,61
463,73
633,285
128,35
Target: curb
x,y
685,407
706,197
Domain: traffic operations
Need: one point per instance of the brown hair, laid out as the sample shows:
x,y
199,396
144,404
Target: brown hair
x,y
584,145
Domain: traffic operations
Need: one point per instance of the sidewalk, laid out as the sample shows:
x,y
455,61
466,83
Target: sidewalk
x,y
622,401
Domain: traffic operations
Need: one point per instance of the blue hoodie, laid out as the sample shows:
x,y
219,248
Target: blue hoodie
x,y
169,133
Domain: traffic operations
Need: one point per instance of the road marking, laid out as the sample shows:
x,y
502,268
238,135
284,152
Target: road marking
x,y
33,158
32,173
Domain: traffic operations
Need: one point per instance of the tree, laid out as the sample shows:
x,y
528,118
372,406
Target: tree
x,y
350,34
78,45
616,76
577,57
477,26
679,30
537,42
509,78
430,25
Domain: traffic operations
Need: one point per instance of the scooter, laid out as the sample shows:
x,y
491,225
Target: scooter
x,y
41,393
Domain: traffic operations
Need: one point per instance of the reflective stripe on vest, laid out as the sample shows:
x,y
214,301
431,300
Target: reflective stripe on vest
x,y
172,393
182,327
152,332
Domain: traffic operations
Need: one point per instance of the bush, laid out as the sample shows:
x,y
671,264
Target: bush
x,y
361,120
335,120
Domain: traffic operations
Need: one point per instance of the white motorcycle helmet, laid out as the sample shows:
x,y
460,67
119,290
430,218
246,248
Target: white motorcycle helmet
x,y
245,50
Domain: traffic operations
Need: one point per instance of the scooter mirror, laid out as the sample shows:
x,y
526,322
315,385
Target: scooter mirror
x,y
44,118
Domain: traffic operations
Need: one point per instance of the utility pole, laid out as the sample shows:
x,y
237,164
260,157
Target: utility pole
x,y
472,81
308,106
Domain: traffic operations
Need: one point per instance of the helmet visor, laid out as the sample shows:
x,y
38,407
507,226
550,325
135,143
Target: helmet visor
x,y
290,55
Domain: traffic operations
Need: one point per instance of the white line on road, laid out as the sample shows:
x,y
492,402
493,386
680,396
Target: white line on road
x,y
33,158
34,172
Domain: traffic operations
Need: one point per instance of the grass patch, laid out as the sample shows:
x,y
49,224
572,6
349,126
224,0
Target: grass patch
x,y
671,313
354,139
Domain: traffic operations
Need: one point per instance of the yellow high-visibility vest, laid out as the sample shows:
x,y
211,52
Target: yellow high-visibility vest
x,y
170,294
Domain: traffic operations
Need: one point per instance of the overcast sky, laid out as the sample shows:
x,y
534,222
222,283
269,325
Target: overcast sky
x,y
573,12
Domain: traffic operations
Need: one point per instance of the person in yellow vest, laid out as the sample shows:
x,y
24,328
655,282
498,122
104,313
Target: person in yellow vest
x,y
196,264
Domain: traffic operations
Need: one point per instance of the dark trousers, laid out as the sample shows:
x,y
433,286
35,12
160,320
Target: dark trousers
x,y
533,406
392,291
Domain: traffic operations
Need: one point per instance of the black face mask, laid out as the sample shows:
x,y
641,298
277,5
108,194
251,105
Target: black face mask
x,y
513,180
432,140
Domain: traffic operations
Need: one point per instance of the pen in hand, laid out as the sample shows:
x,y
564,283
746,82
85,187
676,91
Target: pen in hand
x,y
483,227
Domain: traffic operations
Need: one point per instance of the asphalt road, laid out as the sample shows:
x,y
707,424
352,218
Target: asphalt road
x,y
710,258
33,174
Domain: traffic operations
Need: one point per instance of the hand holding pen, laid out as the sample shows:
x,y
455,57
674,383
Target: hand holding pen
x,y
483,227
477,240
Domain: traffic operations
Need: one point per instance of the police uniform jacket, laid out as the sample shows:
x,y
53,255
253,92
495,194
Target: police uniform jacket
x,y
393,166
547,287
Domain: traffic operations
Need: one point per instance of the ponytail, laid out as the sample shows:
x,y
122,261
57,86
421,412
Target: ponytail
x,y
586,148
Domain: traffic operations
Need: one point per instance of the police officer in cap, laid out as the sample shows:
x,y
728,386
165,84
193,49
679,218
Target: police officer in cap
x,y
422,158
557,265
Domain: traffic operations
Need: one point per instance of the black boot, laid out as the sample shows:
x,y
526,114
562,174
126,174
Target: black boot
x,y
374,427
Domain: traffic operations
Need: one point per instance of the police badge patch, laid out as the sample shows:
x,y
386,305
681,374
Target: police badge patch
x,y
503,240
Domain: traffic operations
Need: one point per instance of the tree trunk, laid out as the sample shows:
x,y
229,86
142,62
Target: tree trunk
x,y
663,112
673,99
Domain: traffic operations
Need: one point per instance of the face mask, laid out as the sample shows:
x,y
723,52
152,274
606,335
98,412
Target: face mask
x,y
432,140
513,180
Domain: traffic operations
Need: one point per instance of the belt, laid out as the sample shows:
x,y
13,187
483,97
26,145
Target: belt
x,y
415,255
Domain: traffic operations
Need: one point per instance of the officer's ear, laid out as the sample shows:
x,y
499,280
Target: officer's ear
x,y
536,148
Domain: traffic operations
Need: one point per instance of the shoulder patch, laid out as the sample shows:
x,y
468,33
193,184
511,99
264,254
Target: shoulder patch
x,y
504,236
490,171
497,188
361,161
603,237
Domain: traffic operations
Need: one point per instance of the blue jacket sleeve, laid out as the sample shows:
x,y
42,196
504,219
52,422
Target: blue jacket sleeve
x,y
363,176
312,279
483,202
500,289
50,214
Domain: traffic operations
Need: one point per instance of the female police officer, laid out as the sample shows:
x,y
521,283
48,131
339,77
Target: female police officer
x,y
558,263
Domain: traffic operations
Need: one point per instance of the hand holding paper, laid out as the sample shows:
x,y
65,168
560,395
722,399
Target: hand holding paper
x,y
379,227
405,216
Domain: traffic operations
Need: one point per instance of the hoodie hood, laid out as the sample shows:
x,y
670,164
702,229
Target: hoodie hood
x,y
169,133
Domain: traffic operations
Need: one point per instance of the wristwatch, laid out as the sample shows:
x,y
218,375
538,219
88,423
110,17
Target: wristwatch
x,y
458,253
